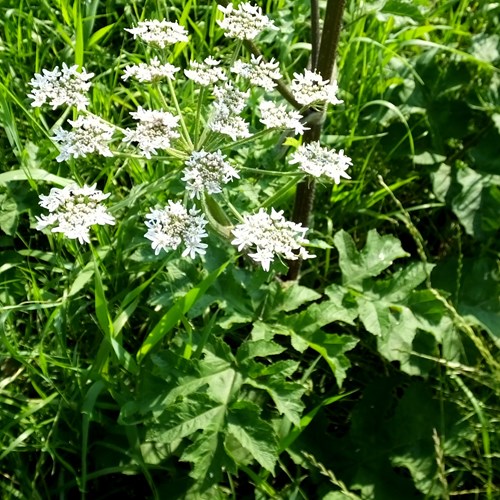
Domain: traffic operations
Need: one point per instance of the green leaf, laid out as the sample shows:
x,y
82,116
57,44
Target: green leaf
x,y
36,174
209,458
377,255
175,313
253,433
183,419
405,9
100,33
258,348
9,214
286,396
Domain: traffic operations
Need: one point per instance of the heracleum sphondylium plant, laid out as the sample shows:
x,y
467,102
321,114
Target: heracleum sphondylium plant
x,y
168,132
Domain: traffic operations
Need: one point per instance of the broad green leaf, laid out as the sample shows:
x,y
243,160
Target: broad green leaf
x,y
185,418
286,396
401,8
253,433
377,255
258,348
9,214
209,457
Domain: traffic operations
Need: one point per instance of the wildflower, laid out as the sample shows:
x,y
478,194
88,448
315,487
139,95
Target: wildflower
x,y
276,116
61,86
229,102
159,33
271,235
205,73
244,22
317,161
309,87
155,130
206,172
232,125
89,135
259,72
74,209
150,72
173,225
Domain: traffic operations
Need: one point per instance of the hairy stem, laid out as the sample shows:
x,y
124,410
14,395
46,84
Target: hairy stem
x,y
304,197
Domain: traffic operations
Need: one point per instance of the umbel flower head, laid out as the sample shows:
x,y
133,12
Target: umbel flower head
x,y
318,161
206,73
89,135
72,210
61,86
229,102
271,235
309,87
258,71
206,172
244,22
173,225
159,33
151,72
277,116
155,130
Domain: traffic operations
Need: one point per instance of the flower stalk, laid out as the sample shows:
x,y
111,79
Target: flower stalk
x,y
326,55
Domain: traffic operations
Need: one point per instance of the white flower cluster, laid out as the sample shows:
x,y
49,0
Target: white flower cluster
x,y
277,116
89,135
173,225
150,72
206,73
244,22
317,161
229,103
61,86
159,33
207,172
155,130
259,72
309,87
74,209
271,235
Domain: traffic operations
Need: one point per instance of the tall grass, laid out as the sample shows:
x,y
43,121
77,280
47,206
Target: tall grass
x,y
373,376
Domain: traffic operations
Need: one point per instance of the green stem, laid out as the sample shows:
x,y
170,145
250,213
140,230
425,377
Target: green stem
x,y
185,131
201,98
281,192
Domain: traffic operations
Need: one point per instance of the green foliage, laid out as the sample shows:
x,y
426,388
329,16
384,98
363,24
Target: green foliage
x,y
127,374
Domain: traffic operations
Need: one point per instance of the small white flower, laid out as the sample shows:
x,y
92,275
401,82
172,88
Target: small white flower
x,y
61,86
232,125
244,22
229,102
276,116
309,87
271,235
207,172
150,72
155,130
89,135
229,99
159,33
206,73
259,72
317,161
173,225
74,209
